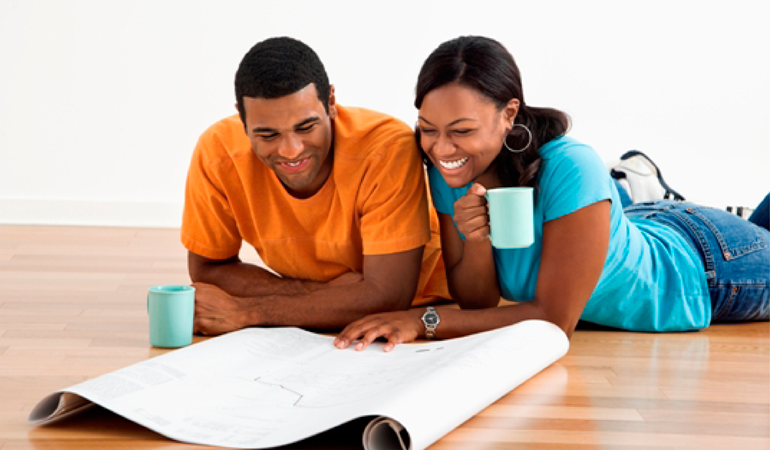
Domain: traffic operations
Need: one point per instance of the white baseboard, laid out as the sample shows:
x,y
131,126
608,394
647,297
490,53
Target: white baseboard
x,y
92,213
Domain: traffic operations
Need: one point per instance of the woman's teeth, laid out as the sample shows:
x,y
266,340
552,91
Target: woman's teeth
x,y
453,164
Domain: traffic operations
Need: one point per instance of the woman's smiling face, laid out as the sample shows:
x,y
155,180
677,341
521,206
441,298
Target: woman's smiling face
x,y
462,132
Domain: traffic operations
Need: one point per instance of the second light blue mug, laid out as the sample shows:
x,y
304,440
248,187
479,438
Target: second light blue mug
x,y
511,218
171,309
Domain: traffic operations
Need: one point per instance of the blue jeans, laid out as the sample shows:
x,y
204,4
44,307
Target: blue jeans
x,y
735,255
761,215
625,199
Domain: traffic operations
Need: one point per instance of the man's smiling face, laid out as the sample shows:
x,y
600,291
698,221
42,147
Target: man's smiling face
x,y
293,136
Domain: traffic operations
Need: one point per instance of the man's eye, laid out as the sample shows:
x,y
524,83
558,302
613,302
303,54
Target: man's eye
x,y
267,137
305,129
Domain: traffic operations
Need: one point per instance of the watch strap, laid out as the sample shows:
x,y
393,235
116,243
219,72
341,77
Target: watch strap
x,y
431,320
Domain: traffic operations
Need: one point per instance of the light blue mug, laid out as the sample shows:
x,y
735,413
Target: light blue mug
x,y
511,218
171,309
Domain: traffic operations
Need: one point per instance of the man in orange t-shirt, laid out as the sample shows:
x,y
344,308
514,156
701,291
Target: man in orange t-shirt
x,y
332,198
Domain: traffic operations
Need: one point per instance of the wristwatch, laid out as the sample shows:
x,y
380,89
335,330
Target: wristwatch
x,y
431,321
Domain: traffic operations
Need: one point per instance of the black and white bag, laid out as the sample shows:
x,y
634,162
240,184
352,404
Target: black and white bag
x,y
642,179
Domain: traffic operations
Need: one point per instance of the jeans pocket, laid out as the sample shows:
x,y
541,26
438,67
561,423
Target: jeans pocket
x,y
734,235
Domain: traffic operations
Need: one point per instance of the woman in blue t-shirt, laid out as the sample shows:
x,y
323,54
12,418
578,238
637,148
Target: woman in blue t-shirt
x,y
657,266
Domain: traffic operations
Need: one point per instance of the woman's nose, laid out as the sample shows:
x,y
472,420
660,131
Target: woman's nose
x,y
444,146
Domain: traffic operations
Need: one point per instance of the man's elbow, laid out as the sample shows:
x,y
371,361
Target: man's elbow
x,y
195,273
196,267
202,269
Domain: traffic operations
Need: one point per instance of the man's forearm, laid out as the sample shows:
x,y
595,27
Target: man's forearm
x,y
248,280
386,283
334,307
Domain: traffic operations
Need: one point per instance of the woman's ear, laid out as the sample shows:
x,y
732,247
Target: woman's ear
x,y
511,110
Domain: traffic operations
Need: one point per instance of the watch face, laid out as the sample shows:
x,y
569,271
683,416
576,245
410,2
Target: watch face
x,y
431,319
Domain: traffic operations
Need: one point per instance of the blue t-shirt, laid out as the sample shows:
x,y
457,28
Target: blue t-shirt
x,y
652,278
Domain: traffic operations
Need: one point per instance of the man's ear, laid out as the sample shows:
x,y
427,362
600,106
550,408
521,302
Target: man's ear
x,y
243,119
332,103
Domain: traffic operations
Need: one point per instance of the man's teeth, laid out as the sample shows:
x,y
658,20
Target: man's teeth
x,y
454,164
294,164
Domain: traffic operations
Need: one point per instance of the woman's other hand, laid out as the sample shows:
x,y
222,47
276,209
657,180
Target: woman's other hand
x,y
397,327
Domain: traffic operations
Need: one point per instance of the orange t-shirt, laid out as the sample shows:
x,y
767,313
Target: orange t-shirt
x,y
374,202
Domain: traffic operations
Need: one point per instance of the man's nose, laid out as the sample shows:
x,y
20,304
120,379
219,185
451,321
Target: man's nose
x,y
291,147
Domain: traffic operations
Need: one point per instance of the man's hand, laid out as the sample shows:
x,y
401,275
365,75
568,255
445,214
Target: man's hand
x,y
472,216
216,311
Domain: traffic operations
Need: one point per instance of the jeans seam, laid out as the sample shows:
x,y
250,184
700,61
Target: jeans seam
x,y
717,234
700,238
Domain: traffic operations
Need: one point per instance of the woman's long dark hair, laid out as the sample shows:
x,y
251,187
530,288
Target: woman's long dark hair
x,y
484,65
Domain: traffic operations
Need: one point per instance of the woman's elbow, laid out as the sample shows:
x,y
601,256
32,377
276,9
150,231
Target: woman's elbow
x,y
563,319
567,324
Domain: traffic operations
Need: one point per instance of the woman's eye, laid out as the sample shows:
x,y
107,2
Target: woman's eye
x,y
461,132
427,131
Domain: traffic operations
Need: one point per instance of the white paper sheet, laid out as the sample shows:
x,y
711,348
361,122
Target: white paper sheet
x,y
266,387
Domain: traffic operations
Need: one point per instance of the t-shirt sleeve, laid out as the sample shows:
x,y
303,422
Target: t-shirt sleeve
x,y
573,177
208,226
394,200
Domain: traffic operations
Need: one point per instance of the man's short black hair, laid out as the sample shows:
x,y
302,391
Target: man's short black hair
x,y
277,67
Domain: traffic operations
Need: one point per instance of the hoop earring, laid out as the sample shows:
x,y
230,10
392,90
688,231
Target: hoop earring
x,y
505,141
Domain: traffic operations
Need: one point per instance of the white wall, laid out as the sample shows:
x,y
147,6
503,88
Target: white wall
x,y
101,102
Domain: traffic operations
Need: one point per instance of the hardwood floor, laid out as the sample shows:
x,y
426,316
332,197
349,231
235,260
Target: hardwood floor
x,y
72,307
